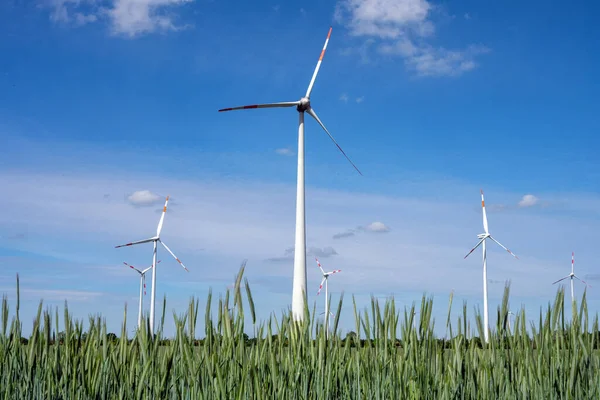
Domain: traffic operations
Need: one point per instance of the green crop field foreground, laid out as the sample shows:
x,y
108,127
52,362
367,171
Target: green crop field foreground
x,y
386,357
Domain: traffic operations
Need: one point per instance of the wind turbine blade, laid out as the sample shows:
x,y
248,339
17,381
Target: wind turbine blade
x,y
146,270
138,242
473,249
321,285
319,264
573,261
485,222
333,272
266,105
174,256
312,81
132,267
500,244
162,218
312,113
562,279
144,281
581,280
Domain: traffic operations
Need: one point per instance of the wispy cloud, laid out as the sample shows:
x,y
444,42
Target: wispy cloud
x,y
528,200
286,151
344,97
592,277
130,18
403,28
376,227
360,99
56,295
321,252
144,198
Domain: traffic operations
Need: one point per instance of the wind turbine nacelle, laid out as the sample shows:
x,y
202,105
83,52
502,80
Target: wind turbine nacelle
x,y
304,104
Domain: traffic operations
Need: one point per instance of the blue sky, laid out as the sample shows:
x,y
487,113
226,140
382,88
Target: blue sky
x,y
431,100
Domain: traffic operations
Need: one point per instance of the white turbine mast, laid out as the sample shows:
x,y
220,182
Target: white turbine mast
x,y
325,280
142,288
303,105
155,240
572,276
483,237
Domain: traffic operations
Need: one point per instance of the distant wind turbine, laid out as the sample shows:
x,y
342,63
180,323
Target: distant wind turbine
x,y
571,276
303,105
510,313
483,237
142,288
325,280
154,240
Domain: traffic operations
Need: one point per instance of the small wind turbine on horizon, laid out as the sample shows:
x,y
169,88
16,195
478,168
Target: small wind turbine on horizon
x,y
508,315
325,280
154,240
303,105
483,237
142,288
571,276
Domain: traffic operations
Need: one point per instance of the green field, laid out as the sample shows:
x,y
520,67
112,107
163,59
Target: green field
x,y
384,358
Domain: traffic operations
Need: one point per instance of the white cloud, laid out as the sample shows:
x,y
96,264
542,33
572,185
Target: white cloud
x,y
426,60
528,200
285,151
377,227
372,227
144,198
360,99
129,18
63,11
384,18
135,17
321,252
344,97
403,26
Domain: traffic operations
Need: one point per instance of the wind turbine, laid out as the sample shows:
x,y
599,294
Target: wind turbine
x,y
508,320
571,276
325,280
142,288
303,105
483,237
154,240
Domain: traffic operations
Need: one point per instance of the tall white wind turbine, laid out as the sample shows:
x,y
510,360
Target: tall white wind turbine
x,y
303,105
483,237
155,240
325,280
571,276
142,288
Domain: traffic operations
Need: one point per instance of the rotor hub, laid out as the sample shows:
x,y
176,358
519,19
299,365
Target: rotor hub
x,y
304,104
483,235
